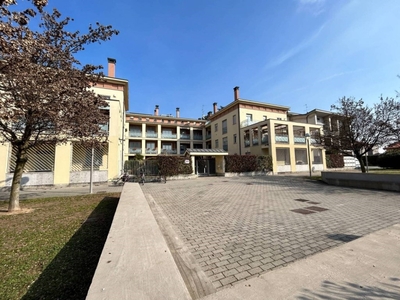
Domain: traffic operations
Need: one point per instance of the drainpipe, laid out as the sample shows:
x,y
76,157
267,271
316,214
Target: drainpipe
x,y
239,133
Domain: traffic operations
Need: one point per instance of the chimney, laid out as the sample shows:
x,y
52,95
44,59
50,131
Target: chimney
x,y
215,107
156,110
235,93
111,67
177,112
209,114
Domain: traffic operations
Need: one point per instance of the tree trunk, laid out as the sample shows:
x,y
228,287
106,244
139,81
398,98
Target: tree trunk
x,y
361,161
22,158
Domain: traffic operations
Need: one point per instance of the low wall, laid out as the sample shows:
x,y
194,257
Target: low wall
x,y
386,182
136,262
84,176
32,179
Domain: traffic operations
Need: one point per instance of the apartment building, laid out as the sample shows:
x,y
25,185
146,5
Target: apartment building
x,y
70,163
241,127
151,135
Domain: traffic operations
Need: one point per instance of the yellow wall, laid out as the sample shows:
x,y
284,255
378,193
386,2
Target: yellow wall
x,y
62,163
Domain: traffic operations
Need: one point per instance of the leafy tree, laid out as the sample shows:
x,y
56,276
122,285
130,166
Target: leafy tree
x,y
45,91
356,128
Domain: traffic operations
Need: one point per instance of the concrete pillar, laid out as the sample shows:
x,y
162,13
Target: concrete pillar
x,y
62,164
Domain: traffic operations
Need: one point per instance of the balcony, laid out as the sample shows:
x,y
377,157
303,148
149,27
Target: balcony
x,y
151,151
135,133
185,136
282,139
246,123
151,135
208,136
264,140
135,150
299,140
255,142
247,143
198,137
168,135
169,151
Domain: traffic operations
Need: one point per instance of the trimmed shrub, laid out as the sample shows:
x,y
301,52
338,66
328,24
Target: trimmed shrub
x,y
173,165
390,160
247,163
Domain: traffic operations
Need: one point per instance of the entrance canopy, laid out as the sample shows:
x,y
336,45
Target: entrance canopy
x,y
206,152
218,154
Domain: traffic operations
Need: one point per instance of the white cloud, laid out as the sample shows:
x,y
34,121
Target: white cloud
x,y
293,51
315,7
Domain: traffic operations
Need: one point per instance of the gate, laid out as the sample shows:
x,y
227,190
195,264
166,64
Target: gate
x,y
135,167
205,166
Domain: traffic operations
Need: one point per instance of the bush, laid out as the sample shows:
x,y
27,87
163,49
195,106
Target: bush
x,y
390,160
372,160
173,165
334,161
247,163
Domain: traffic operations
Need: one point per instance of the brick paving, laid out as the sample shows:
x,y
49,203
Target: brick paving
x,y
240,227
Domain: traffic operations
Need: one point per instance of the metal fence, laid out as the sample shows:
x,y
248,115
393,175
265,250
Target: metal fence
x,y
40,158
82,158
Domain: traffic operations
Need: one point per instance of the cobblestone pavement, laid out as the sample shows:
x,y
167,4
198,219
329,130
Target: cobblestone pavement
x,y
240,227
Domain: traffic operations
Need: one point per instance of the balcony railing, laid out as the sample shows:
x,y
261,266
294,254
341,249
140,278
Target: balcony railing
x,y
168,135
185,136
135,133
255,142
135,150
208,136
151,151
169,151
198,137
246,123
247,143
264,140
299,140
151,134
282,139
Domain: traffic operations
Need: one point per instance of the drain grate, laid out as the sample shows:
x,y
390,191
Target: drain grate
x,y
301,200
316,208
303,211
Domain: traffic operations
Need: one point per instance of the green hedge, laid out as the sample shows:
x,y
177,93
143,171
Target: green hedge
x,y
247,163
173,165
390,160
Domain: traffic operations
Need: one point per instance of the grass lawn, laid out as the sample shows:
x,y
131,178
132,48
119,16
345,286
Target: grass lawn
x,y
385,171
52,251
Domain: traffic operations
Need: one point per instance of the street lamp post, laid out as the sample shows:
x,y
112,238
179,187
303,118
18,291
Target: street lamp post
x,y
307,135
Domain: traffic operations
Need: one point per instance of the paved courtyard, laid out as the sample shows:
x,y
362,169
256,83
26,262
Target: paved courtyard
x,y
241,227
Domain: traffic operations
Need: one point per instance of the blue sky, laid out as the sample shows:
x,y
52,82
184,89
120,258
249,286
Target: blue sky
x,y
304,54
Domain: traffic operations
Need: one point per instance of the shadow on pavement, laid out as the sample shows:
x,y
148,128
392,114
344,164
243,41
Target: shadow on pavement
x,y
352,291
70,273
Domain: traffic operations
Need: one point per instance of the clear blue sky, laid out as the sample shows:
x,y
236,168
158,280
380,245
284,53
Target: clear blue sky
x,y
298,53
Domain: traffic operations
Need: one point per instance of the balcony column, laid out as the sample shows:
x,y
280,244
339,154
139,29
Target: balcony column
x,y
178,140
191,137
158,130
291,147
272,145
143,130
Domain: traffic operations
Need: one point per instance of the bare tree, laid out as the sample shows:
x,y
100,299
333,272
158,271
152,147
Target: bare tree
x,y
356,128
46,93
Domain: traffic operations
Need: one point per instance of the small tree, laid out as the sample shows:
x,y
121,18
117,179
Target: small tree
x,y
45,91
356,128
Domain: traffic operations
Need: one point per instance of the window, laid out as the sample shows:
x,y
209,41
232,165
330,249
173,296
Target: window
x,y
224,127
235,138
225,143
234,119
249,117
216,127
216,144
